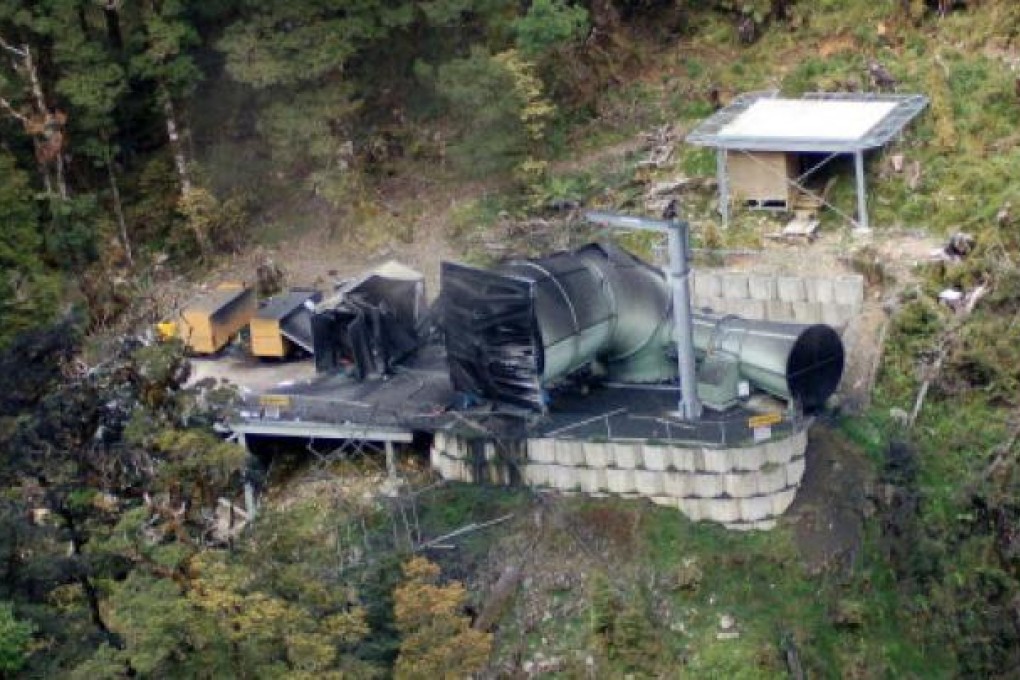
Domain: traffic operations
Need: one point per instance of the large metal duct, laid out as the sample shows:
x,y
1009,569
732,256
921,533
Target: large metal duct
x,y
792,361
513,330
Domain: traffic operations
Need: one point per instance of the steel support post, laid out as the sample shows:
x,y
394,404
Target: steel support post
x,y
391,461
683,332
724,186
862,198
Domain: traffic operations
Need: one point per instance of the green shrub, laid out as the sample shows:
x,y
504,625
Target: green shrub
x,y
15,637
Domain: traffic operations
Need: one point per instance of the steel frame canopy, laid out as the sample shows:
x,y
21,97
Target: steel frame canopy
x,y
818,122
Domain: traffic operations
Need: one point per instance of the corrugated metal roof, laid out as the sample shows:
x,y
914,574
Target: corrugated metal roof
x,y
217,299
817,121
283,305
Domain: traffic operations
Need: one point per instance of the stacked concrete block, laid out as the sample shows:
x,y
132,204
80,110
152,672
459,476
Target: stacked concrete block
x,y
692,508
849,291
741,485
656,457
620,480
542,450
771,479
597,455
592,480
761,287
707,485
707,284
677,484
718,461
743,488
782,501
807,312
836,315
760,525
795,471
831,300
536,474
755,508
458,469
820,291
438,462
791,289
564,478
686,460
778,310
626,455
648,482
782,451
749,309
734,286
570,453
748,458
723,510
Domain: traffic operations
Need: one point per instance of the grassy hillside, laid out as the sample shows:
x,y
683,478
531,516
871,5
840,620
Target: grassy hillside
x,y
899,557
930,589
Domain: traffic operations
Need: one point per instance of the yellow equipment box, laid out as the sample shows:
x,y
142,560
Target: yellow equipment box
x,y
283,322
209,322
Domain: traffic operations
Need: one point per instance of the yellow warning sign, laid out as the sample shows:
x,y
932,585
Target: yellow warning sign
x,y
764,420
277,400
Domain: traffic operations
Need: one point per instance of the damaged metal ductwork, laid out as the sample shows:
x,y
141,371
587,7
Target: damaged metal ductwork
x,y
513,331
369,323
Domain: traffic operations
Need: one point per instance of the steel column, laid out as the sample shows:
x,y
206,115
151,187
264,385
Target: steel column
x,y
678,234
724,186
862,199
391,463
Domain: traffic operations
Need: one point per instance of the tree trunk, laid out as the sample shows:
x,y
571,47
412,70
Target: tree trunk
x,y
82,575
180,161
44,112
111,12
37,115
118,208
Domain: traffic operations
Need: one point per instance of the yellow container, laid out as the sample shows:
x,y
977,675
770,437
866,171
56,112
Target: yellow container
x,y
282,322
209,322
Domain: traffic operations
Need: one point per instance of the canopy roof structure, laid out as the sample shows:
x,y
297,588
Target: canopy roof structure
x,y
817,122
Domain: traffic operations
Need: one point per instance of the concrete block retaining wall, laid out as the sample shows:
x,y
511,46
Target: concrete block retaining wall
x,y
829,300
741,488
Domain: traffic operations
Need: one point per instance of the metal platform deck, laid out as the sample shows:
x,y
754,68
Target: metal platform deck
x,y
418,398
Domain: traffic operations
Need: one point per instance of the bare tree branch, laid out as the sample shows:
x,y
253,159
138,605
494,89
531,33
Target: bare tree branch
x,y
11,48
11,110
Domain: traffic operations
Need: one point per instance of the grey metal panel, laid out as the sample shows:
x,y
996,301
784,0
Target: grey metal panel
x,y
314,430
281,306
908,107
297,327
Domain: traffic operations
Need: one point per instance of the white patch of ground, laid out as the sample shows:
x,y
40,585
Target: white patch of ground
x,y
250,374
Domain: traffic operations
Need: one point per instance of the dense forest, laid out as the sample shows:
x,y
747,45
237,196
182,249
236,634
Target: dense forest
x,y
145,143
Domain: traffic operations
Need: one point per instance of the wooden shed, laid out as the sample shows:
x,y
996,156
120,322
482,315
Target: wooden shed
x,y
763,179
212,320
